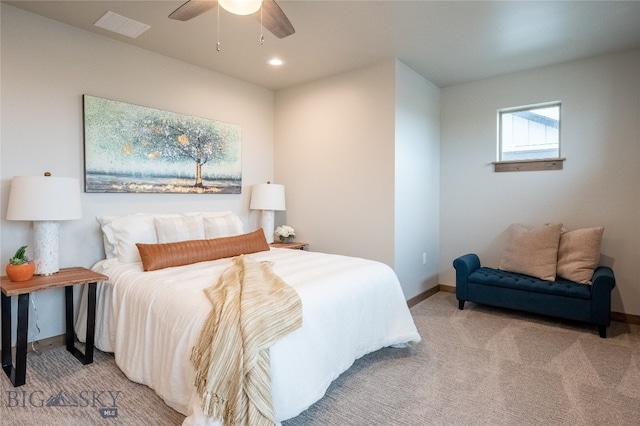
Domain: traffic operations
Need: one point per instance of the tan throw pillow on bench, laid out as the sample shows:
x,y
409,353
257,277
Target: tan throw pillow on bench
x,y
532,251
579,254
159,256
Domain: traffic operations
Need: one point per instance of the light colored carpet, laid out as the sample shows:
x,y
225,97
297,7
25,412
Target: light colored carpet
x,y
480,366
78,393
487,366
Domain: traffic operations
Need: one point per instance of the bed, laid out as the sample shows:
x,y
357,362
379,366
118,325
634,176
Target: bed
x,y
151,320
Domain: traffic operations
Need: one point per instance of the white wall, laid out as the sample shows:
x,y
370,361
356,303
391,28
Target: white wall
x,y
334,150
417,181
600,183
359,155
46,68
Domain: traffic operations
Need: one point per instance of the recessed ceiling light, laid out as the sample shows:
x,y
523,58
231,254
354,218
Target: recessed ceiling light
x,y
121,25
275,62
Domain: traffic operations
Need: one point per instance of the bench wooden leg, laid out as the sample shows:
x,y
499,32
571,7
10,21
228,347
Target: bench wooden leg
x,y
461,304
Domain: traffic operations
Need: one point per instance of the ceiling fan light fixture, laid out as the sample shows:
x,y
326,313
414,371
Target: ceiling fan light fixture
x,y
241,7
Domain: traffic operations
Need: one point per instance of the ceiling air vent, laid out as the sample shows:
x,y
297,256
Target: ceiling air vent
x,y
121,25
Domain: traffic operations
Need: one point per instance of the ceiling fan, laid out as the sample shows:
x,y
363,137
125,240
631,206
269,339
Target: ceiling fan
x,y
268,11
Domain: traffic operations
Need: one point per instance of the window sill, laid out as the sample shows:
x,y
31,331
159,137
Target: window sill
x,y
529,165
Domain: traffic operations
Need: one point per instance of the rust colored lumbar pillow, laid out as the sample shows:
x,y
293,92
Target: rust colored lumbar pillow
x,y
159,256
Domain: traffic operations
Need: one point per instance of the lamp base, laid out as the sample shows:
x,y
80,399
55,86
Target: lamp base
x,y
267,224
45,235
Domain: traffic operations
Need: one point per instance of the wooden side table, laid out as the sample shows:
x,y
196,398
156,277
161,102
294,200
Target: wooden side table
x,y
292,245
66,278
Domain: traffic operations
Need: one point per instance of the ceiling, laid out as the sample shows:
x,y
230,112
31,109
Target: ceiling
x,y
447,42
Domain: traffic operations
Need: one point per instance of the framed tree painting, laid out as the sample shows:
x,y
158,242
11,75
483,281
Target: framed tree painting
x,y
131,148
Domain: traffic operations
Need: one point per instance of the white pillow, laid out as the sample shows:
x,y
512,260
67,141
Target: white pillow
x,y
180,228
107,236
121,233
224,224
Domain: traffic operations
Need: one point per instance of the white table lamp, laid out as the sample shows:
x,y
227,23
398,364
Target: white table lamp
x,y
45,200
267,197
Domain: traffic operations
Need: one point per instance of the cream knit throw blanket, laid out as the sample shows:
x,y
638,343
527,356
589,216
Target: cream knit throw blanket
x,y
252,309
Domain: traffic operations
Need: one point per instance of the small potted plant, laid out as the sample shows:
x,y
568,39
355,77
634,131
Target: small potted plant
x,y
20,268
285,233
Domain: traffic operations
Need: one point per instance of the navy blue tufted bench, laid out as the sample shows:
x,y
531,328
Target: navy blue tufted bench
x,y
559,298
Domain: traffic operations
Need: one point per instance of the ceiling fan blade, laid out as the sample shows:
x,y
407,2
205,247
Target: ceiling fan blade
x,y
191,9
274,19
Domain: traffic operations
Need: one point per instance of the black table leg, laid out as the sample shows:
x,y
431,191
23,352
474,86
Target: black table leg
x,y
69,337
16,374
87,357
7,361
91,323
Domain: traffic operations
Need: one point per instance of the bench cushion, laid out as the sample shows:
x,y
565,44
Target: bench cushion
x,y
498,278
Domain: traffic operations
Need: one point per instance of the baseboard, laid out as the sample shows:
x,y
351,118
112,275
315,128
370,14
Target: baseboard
x,y
628,318
447,288
615,316
50,343
422,296
45,344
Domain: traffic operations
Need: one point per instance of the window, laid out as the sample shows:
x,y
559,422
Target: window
x,y
529,133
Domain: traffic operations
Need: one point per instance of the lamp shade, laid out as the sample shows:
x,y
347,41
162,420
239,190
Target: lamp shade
x,y
241,7
267,196
44,198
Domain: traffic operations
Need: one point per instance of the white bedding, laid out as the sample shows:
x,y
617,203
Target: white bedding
x,y
350,307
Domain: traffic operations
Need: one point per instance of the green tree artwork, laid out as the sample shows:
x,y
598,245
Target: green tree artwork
x,y
131,148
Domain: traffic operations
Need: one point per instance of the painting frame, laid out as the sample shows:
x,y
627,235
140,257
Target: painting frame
x,y
130,148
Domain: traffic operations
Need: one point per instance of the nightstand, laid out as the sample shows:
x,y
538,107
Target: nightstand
x,y
292,245
67,278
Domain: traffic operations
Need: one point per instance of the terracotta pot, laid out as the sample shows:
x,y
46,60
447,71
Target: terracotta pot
x,y
22,272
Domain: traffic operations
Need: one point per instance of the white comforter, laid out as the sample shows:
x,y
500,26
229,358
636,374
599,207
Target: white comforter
x,y
151,320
